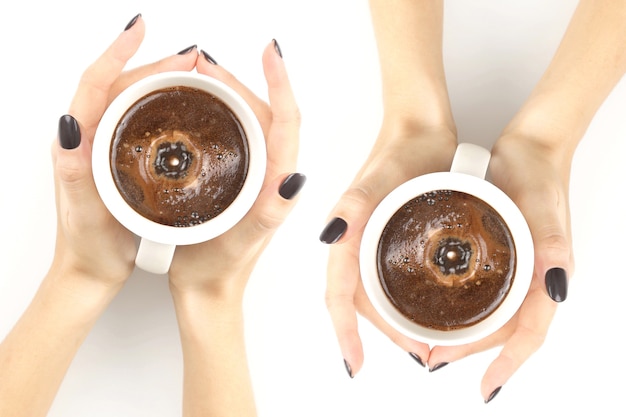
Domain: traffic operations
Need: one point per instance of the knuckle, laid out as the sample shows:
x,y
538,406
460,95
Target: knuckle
x,y
70,173
552,239
335,302
291,116
359,195
268,222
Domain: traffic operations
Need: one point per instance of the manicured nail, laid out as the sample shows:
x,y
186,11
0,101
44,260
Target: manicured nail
x,y
493,395
187,50
348,368
438,366
333,230
69,132
132,22
556,284
291,186
277,48
417,359
208,57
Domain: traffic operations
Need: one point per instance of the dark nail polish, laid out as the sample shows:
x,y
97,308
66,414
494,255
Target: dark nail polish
x,y
556,284
69,132
277,48
187,50
348,368
132,22
291,186
493,395
417,359
208,57
438,366
333,231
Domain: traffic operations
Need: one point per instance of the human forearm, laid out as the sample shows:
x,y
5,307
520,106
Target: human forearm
x,y
216,376
36,354
409,39
589,62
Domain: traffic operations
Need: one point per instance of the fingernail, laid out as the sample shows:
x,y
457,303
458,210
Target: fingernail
x,y
69,132
417,359
493,395
438,366
208,57
348,368
291,186
277,48
556,284
187,50
333,230
132,22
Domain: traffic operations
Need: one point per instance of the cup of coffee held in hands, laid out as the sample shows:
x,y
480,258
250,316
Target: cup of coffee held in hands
x,y
447,258
178,158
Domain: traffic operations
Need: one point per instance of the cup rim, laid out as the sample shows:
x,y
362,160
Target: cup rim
x,y
155,231
481,189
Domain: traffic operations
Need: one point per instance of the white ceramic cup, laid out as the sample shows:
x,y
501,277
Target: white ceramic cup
x,y
466,175
158,241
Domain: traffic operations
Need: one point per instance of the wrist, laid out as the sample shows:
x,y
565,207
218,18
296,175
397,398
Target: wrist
x,y
543,128
419,108
201,314
223,297
81,287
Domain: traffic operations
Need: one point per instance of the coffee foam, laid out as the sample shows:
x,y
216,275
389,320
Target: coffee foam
x,y
446,260
179,156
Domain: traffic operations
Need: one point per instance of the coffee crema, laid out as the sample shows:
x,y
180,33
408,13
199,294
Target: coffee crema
x,y
179,156
446,260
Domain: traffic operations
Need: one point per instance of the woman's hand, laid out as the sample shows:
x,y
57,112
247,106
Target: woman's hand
x,y
398,155
208,280
222,265
94,254
536,177
90,242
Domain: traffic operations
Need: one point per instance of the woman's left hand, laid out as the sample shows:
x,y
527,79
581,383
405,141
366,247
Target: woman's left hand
x,y
223,265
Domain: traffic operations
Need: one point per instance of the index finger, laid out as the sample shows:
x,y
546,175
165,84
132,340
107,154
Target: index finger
x,y
92,94
283,134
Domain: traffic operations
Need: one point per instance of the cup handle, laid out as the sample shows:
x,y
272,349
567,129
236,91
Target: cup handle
x,y
154,257
471,159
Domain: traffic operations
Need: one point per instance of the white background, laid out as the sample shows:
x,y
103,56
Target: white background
x,y
130,365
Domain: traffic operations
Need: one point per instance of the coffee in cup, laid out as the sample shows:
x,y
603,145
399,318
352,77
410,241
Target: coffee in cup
x,y
447,258
178,158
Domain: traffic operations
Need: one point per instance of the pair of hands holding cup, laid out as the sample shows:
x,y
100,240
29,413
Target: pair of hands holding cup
x,y
91,241
93,245
346,295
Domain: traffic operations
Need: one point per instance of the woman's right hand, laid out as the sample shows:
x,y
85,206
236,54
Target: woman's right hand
x,y
90,242
399,154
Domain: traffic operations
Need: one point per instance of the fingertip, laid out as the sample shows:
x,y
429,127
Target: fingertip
x,y
273,63
348,368
353,357
334,230
557,284
277,48
135,29
291,186
207,58
133,22
69,132
492,395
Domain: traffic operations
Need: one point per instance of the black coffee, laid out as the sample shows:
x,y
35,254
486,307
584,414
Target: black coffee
x,y
446,260
179,156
